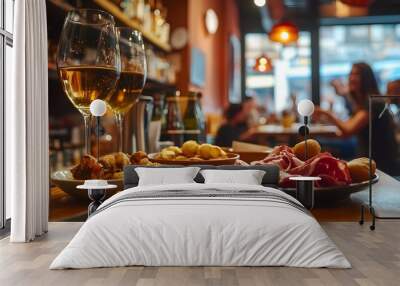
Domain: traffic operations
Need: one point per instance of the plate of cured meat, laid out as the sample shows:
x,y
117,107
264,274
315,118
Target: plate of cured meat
x,y
339,178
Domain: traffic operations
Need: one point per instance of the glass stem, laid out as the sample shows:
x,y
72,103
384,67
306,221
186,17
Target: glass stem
x,y
120,124
87,119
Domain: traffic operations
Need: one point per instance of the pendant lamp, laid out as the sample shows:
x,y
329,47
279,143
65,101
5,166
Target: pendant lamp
x,y
284,33
263,64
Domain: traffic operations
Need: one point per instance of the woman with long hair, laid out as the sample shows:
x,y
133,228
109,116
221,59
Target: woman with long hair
x,y
362,85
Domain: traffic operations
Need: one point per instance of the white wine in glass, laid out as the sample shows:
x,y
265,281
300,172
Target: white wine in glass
x,y
132,79
88,60
127,91
83,84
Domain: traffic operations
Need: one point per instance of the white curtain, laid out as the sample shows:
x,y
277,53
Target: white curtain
x,y
27,124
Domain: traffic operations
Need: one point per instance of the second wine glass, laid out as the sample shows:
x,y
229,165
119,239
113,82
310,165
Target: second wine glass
x,y
132,79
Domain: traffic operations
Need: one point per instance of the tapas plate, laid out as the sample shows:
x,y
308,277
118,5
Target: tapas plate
x,y
230,160
66,182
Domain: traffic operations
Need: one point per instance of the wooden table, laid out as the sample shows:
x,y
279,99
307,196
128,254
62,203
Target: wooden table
x,y
64,207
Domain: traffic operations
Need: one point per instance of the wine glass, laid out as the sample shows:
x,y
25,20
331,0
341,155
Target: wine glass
x,y
88,60
133,76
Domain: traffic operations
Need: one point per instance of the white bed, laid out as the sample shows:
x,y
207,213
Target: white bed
x,y
267,229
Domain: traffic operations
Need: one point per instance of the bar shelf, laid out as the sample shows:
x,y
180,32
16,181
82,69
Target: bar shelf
x,y
113,9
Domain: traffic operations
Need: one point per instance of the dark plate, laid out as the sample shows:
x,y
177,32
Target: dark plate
x,y
65,181
336,193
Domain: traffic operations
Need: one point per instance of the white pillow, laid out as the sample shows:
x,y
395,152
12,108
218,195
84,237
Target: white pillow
x,y
248,177
166,176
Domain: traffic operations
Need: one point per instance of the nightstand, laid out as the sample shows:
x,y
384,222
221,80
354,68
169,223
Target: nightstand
x,y
96,192
305,190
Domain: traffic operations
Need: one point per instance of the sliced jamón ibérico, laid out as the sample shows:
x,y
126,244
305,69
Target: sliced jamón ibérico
x,y
282,156
331,170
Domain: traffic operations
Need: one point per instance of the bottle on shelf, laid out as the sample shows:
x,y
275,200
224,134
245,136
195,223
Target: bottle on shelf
x,y
147,16
129,8
172,124
156,21
164,33
163,27
151,15
140,11
193,120
158,107
159,67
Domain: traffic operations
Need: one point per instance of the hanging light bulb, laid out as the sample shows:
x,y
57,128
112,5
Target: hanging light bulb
x,y
284,33
358,3
260,3
263,64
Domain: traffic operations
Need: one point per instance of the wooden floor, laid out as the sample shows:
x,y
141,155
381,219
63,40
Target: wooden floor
x,y
375,257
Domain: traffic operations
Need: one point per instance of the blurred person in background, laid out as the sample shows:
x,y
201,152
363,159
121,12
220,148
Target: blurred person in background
x,y
343,91
235,126
293,108
362,84
250,107
393,89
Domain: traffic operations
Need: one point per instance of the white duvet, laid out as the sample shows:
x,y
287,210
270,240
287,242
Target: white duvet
x,y
200,231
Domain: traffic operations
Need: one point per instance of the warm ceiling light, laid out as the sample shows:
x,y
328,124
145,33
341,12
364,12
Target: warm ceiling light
x,y
358,3
262,68
260,3
263,61
284,33
263,64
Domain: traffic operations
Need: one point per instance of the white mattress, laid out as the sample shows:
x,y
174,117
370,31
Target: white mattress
x,y
193,231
